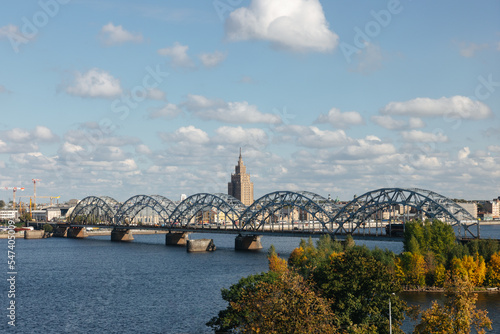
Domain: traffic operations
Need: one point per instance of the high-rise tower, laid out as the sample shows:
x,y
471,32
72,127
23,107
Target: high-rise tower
x,y
240,185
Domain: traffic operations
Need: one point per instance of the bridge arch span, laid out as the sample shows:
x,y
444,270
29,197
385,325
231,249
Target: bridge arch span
x,y
229,206
94,209
134,205
430,204
269,212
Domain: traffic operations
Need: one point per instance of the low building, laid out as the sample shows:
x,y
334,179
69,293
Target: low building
x,y
9,215
493,208
48,214
470,207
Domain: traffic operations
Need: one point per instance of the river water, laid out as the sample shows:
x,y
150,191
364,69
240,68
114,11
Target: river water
x,y
95,285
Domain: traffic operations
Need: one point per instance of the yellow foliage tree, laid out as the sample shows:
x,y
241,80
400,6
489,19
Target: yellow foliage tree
x,y
458,315
475,269
493,271
439,275
288,305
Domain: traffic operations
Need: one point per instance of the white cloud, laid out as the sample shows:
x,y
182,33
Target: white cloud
x,y
187,134
114,35
18,135
313,137
178,55
297,25
229,112
369,59
368,147
464,153
451,107
168,111
212,59
468,50
43,133
423,137
143,149
415,123
390,123
340,119
156,94
242,137
94,83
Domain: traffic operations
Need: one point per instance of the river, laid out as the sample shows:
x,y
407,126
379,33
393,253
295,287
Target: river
x,y
95,285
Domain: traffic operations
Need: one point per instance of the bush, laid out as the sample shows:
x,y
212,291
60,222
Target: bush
x,y
48,228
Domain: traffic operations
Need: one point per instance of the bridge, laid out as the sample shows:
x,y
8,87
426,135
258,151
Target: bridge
x,y
283,213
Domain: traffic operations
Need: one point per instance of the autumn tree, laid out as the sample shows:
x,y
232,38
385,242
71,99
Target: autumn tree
x,y
280,301
493,271
359,287
458,314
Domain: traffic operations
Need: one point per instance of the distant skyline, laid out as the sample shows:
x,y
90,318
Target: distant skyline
x,y
121,98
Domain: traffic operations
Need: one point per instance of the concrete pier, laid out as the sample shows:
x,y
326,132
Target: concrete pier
x,y
176,238
248,242
77,232
200,245
122,235
34,234
61,232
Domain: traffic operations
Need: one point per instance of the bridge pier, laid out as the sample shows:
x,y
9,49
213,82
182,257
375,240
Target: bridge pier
x,y
200,245
121,235
77,233
247,242
176,238
61,232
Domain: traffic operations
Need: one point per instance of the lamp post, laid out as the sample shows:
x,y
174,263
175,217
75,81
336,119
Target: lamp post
x,y
390,317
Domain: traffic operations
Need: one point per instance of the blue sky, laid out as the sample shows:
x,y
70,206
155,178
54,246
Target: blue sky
x,y
121,98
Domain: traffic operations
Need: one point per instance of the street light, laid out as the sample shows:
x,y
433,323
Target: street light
x,y
390,316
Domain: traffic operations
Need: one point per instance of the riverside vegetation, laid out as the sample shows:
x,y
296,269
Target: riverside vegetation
x,y
339,287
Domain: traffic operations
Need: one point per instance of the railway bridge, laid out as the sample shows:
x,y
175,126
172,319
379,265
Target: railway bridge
x,y
373,215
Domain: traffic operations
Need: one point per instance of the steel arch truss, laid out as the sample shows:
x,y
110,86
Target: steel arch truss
x,y
266,213
129,209
229,206
93,209
433,205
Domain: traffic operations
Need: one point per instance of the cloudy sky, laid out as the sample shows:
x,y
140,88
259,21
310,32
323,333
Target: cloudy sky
x,y
121,97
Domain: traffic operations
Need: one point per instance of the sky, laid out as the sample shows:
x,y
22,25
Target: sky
x,y
121,98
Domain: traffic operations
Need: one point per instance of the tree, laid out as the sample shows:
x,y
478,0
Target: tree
x,y
493,271
359,288
288,305
411,269
229,318
280,301
458,314
2,204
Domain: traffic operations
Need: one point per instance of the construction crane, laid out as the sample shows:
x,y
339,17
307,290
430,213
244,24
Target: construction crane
x,y
14,189
34,190
51,198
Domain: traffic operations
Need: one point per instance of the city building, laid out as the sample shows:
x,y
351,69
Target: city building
x,y
493,208
240,185
471,207
9,215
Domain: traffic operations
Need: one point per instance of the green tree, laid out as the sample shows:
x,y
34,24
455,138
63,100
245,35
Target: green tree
x,y
458,314
48,228
288,305
359,288
279,301
230,318
2,204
